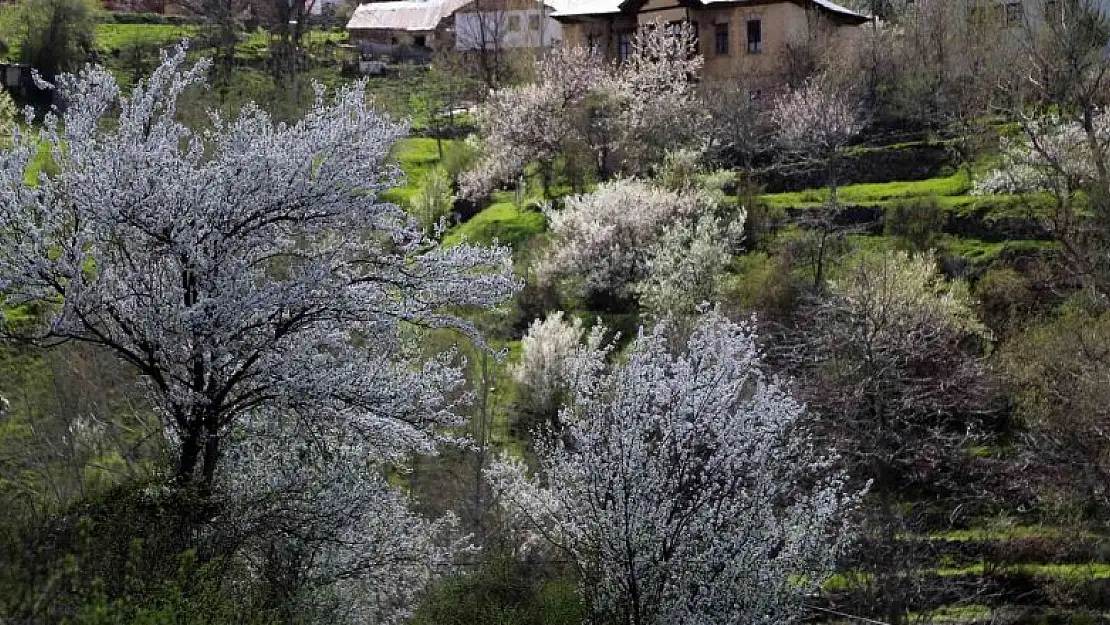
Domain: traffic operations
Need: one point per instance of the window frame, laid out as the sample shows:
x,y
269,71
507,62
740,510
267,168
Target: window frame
x,y
624,45
754,46
721,35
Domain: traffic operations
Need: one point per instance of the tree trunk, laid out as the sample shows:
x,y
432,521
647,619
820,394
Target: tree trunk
x,y
211,453
190,453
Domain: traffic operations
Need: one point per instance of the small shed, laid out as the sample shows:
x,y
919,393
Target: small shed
x,y
418,24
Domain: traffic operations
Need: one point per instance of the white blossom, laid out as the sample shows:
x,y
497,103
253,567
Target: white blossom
x,y
625,116
1052,156
315,500
542,374
605,238
684,485
249,267
686,265
816,119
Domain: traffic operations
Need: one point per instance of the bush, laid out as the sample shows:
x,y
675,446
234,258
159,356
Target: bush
x,y
764,284
917,222
434,201
503,592
56,36
542,374
680,170
1003,294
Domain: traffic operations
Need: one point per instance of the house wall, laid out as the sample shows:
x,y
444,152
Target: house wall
x,y
506,24
392,37
782,24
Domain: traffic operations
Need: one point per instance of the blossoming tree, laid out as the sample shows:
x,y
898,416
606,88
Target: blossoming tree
x,y
683,486
248,268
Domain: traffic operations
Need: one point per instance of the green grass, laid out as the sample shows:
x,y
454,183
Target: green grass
x,y
953,614
875,193
1005,532
416,155
111,38
983,253
1070,572
992,207
503,222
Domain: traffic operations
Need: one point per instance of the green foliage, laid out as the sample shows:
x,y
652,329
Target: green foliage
x,y
917,222
114,38
762,283
435,200
873,193
503,592
503,222
458,156
680,170
195,595
8,113
54,36
1004,295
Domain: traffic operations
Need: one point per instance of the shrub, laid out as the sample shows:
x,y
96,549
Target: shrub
x,y
1003,293
503,592
763,283
434,201
680,170
604,240
917,222
542,375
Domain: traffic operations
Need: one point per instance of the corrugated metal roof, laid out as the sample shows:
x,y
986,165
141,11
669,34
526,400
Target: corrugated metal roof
x,y
572,8
836,8
413,15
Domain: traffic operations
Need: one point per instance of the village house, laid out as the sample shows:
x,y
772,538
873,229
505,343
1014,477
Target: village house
x,y
507,24
409,30
740,39
409,23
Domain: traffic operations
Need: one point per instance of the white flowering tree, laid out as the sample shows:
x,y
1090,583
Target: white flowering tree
x,y
612,239
534,123
542,374
623,117
686,265
248,268
320,528
1065,158
815,123
684,487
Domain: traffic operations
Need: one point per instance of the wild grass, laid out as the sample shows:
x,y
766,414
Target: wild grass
x,y
875,193
503,222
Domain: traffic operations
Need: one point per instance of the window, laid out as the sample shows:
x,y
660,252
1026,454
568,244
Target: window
x,y
420,41
624,45
593,44
1012,13
514,23
720,38
755,37
533,22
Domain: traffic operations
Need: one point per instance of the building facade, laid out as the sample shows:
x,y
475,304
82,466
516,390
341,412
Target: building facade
x,y
507,24
740,39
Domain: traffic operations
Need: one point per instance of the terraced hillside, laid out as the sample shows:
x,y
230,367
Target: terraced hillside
x,y
983,547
